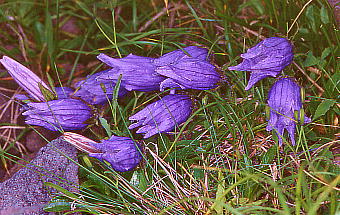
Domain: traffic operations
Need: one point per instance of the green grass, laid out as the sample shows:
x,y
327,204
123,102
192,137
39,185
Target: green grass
x,y
222,160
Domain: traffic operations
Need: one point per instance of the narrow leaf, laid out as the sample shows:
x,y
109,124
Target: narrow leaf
x,y
57,206
48,95
323,107
61,189
105,125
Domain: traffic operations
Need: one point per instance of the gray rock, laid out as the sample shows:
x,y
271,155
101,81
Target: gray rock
x,y
25,193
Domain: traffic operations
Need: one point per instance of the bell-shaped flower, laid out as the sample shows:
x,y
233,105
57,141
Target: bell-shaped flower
x,y
121,152
185,71
267,58
26,79
163,115
284,100
61,114
138,73
96,91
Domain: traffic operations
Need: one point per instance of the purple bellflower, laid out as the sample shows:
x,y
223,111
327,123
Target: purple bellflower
x,y
121,152
138,73
91,90
25,78
62,114
267,58
187,72
284,99
163,115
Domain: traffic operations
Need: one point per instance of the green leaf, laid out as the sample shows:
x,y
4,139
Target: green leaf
x,y
269,156
39,32
324,15
310,60
303,94
326,52
84,7
48,95
198,173
51,82
323,107
116,91
59,206
220,197
303,30
143,181
87,161
106,126
62,190
311,17
334,83
267,111
49,34
185,149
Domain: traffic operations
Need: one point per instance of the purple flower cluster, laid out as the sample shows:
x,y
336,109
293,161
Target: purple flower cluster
x,y
267,59
184,69
52,110
180,69
65,109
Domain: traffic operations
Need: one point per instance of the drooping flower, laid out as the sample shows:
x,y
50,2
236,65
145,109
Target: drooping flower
x,y
25,78
138,73
284,99
121,152
267,58
187,72
163,115
96,91
61,114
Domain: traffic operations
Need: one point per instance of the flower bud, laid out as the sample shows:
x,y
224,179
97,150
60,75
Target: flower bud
x,y
26,79
80,142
